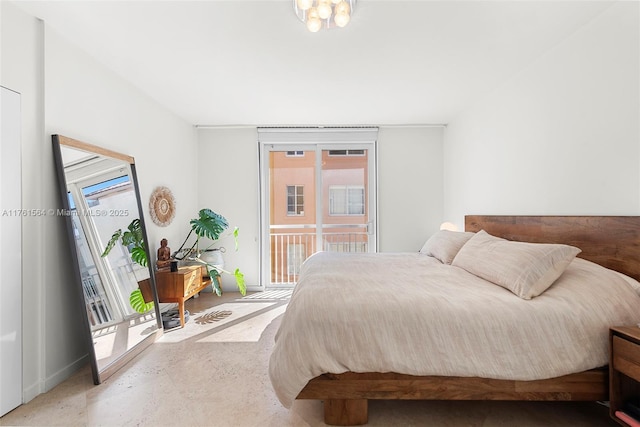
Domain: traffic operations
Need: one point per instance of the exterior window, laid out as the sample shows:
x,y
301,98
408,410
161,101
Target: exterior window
x,y
295,200
296,254
346,152
295,154
346,200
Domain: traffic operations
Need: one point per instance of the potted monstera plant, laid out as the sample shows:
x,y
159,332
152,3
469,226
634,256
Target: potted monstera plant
x,y
214,227
141,299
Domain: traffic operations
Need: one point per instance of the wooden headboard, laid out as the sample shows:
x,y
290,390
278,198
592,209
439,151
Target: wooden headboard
x,y
611,241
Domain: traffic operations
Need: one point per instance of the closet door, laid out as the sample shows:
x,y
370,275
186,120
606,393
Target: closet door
x,y
10,253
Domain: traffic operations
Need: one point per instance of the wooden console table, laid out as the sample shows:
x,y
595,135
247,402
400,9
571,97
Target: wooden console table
x,y
179,286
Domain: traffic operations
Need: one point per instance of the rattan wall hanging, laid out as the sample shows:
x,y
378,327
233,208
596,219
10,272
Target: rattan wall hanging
x,y
162,206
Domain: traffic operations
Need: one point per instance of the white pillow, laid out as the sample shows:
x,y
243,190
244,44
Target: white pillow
x,y
526,269
445,244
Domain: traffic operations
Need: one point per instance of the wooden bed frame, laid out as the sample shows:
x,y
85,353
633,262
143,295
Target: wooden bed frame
x,y
611,241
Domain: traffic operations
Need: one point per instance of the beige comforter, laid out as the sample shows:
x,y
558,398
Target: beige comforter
x,y
410,314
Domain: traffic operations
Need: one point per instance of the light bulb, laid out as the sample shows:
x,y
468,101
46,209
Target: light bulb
x,y
343,7
313,20
304,4
342,19
314,24
324,9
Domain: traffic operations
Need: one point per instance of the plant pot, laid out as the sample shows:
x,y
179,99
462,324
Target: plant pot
x,y
213,257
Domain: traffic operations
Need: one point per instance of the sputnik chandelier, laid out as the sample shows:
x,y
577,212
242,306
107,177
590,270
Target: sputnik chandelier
x,y
318,14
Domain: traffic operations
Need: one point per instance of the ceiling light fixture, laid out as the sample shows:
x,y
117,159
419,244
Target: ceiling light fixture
x,y
318,14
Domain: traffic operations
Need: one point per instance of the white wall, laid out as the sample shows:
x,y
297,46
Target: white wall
x,y
409,189
561,137
86,101
65,91
228,183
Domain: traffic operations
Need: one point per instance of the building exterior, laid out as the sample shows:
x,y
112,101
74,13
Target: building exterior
x,y
299,226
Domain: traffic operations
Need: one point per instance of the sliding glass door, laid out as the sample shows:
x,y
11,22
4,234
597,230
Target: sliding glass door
x,y
315,197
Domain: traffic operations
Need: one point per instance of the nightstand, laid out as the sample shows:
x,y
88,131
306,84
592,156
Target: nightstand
x,y
179,286
624,369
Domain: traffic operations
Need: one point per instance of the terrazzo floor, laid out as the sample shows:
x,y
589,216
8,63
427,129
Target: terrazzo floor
x,y
213,372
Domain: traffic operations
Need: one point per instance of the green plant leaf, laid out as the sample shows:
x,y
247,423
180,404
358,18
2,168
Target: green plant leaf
x,y
139,255
112,242
134,235
128,238
131,238
137,301
136,230
236,231
209,224
215,279
240,282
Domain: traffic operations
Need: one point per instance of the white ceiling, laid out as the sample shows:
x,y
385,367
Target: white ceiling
x,y
253,63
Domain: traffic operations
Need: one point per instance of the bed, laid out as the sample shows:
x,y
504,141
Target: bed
x,y
443,354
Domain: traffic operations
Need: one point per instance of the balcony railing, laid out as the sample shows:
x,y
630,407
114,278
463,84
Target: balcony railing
x,y
292,244
95,300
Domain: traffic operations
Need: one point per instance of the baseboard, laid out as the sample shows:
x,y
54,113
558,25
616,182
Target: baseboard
x,y
31,392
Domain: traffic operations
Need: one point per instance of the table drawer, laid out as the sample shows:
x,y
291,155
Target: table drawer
x,y
178,284
192,281
626,357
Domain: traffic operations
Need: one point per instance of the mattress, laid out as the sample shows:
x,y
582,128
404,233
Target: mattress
x,y
411,314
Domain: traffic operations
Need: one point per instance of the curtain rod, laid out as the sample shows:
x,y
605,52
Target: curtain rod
x,y
408,125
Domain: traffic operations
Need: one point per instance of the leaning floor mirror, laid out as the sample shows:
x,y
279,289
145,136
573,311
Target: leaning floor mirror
x,y
103,211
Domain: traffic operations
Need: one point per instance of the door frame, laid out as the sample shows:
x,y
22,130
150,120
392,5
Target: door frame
x,y
295,139
11,286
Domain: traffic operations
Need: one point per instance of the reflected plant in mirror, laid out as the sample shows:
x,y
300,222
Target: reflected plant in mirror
x,y
140,298
99,190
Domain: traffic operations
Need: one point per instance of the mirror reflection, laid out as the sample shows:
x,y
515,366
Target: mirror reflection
x,y
103,213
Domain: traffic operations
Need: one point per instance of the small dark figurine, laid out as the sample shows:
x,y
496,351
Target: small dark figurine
x,y
164,255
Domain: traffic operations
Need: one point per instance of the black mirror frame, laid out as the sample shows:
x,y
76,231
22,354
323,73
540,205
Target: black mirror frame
x,y
110,369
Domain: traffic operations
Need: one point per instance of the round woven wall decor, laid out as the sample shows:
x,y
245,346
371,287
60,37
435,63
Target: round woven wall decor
x,y
162,206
